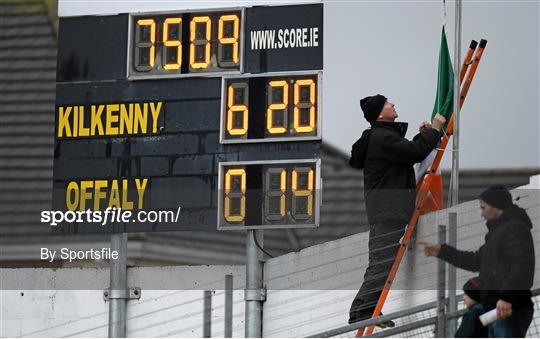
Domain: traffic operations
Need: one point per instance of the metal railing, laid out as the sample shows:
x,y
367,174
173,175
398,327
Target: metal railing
x,y
400,314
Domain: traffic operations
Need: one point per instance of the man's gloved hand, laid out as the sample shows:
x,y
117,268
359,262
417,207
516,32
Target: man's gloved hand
x,y
438,122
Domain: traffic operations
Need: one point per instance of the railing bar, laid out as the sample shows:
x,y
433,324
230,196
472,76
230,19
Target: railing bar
x,y
404,328
373,321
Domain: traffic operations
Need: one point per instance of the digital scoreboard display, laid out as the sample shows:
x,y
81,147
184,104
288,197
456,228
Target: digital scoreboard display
x,y
185,43
271,108
269,194
214,113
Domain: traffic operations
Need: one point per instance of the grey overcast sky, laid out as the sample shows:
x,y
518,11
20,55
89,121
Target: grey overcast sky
x,y
391,47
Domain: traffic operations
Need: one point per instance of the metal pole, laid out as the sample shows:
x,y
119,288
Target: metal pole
x,y
228,305
207,314
452,300
454,195
118,286
441,289
254,293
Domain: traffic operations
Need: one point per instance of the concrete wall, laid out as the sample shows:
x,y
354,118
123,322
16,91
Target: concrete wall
x,y
308,291
171,305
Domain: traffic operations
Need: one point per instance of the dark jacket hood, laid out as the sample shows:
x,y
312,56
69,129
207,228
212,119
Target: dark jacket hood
x,y
512,213
359,150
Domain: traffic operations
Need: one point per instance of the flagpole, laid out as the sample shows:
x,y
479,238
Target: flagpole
x,y
455,140
452,230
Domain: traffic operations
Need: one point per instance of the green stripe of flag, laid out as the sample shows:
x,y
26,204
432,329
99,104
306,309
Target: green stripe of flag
x,y
445,83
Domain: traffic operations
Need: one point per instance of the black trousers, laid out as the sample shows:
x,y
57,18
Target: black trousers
x,y
383,247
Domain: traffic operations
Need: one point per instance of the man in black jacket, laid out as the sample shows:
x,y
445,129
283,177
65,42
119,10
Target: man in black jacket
x,y
505,261
387,159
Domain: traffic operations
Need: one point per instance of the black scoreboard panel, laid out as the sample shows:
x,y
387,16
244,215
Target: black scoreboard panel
x,y
284,38
92,48
142,135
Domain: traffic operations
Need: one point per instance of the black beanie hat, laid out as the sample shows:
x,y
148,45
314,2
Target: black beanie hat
x,y
372,107
497,196
472,289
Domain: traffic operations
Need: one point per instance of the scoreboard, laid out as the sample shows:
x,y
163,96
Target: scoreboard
x,y
215,111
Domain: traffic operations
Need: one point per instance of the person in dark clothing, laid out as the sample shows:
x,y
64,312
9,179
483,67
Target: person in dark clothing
x,y
505,262
470,326
387,159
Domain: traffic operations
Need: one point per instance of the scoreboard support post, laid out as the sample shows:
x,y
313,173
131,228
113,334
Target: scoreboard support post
x,y
118,287
255,293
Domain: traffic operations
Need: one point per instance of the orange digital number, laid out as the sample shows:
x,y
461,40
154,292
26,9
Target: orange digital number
x,y
150,45
234,108
176,43
277,106
299,105
283,187
235,188
230,40
304,191
196,40
275,194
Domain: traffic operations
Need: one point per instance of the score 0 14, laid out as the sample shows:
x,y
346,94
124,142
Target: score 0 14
x,y
269,194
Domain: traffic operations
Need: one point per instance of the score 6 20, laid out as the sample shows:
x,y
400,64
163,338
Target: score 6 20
x,y
271,107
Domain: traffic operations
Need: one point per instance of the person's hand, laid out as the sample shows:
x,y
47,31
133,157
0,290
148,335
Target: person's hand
x,y
504,309
424,126
438,122
430,249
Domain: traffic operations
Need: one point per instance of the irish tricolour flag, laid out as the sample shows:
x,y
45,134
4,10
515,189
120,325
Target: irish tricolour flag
x,y
444,101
